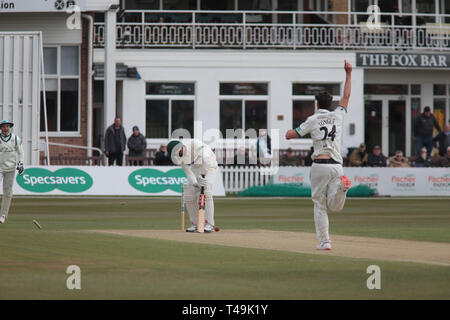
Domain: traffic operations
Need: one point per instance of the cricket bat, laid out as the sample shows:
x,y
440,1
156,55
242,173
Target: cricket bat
x,y
201,211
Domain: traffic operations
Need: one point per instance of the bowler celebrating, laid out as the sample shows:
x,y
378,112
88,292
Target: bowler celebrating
x,y
200,166
328,183
11,158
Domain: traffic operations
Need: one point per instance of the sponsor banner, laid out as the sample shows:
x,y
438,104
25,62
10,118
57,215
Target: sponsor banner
x,y
387,181
297,175
122,181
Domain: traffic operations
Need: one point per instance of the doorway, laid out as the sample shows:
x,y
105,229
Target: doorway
x,y
388,124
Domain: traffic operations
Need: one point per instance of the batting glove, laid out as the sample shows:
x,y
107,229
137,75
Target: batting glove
x,y
202,182
20,168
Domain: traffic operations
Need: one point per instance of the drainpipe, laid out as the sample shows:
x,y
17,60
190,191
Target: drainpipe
x,y
90,72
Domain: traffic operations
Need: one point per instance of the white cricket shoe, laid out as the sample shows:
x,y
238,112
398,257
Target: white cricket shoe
x,y
2,218
209,228
324,246
192,228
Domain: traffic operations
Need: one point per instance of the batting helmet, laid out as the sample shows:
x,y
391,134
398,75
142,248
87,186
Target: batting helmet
x,y
173,145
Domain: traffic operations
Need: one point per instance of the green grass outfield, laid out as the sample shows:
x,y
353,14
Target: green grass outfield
x,y
33,262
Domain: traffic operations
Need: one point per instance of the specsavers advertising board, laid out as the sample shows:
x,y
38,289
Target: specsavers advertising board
x,y
126,181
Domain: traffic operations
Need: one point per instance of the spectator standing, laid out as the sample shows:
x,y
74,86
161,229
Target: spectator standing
x,y
289,159
359,157
115,142
136,146
444,161
423,160
162,157
263,147
398,161
376,159
443,139
423,129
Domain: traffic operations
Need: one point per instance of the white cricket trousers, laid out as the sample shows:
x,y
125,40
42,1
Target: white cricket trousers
x,y
8,180
192,196
326,190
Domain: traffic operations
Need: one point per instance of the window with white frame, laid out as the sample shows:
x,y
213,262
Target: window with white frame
x,y
62,93
243,106
304,96
169,107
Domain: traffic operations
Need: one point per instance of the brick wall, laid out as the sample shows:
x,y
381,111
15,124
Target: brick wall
x,y
58,151
341,6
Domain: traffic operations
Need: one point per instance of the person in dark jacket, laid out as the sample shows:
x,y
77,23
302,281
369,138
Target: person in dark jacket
x,y
444,161
115,142
423,160
443,139
136,146
162,157
423,129
290,159
308,159
376,159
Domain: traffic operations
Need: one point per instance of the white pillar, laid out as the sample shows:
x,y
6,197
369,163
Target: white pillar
x,y
109,108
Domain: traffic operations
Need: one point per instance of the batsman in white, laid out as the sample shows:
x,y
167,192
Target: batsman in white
x,y
328,183
11,158
200,166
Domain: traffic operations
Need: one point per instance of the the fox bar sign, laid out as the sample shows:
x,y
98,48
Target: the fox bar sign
x,y
402,60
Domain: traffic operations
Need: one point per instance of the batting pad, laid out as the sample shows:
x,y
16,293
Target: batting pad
x,y
209,210
191,202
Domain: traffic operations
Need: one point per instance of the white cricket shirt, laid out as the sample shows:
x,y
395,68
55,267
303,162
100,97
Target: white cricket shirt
x,y
325,128
11,152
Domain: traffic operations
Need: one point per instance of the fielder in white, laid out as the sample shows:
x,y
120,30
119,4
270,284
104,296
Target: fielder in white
x,y
328,183
11,158
200,166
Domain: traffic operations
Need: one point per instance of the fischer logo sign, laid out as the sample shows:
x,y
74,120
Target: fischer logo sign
x,y
369,180
156,181
439,183
297,178
41,180
404,183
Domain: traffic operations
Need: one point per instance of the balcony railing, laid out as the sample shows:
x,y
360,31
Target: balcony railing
x,y
279,29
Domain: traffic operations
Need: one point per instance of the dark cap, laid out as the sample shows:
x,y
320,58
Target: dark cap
x,y
289,150
136,128
362,145
427,109
377,147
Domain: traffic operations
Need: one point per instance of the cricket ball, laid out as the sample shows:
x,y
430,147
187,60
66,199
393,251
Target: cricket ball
x,y
217,229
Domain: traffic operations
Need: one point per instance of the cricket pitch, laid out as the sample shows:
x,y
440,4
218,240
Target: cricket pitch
x,y
302,242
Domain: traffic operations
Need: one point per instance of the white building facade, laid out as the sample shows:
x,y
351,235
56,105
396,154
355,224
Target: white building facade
x,y
214,65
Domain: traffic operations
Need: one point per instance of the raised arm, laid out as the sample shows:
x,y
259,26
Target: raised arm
x,y
348,85
292,134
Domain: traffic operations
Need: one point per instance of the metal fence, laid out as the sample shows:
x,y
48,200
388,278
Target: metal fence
x,y
259,30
